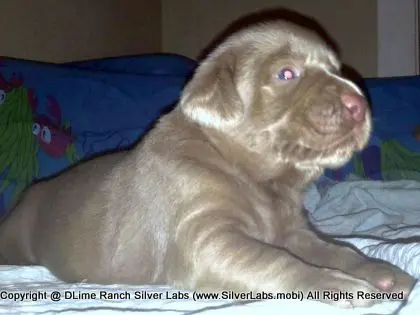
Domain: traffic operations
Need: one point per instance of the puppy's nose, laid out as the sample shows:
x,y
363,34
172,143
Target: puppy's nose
x,y
355,106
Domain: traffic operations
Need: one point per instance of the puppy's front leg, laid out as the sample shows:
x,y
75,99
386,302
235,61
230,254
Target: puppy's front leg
x,y
218,255
310,247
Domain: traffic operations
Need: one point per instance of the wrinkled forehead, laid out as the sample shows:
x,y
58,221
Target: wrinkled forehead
x,y
301,45
312,53
287,40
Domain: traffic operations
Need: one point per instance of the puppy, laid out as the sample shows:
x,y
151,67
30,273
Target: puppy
x,y
211,198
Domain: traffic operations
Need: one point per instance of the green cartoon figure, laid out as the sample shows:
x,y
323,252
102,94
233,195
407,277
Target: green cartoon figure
x,y
18,148
388,160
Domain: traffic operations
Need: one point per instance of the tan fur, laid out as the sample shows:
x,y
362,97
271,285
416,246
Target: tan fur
x,y
211,198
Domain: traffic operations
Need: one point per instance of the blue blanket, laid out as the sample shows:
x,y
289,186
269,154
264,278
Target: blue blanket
x,y
51,116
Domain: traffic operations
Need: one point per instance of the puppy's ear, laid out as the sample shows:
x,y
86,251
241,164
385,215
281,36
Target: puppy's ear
x,y
211,98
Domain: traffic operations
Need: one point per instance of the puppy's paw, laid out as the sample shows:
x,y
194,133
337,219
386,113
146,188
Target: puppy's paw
x,y
340,289
384,276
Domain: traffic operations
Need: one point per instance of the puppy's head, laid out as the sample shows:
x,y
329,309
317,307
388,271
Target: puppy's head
x,y
276,90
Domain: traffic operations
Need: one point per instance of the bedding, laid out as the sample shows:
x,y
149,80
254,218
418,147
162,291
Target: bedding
x,y
52,116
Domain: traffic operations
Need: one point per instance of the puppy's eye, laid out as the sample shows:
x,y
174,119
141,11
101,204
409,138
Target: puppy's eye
x,y
287,74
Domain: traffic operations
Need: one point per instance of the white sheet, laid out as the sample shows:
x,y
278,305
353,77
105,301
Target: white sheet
x,y
388,210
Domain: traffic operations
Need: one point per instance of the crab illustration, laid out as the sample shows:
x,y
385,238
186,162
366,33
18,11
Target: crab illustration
x,y
52,134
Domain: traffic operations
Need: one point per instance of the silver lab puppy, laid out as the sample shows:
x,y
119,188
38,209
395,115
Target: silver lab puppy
x,y
211,198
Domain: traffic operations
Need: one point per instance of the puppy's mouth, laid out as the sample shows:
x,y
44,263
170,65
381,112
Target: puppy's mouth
x,y
333,150
355,136
337,131
360,134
